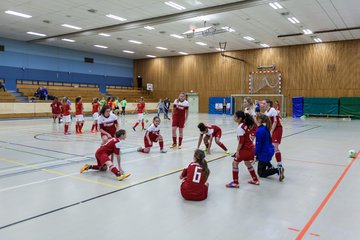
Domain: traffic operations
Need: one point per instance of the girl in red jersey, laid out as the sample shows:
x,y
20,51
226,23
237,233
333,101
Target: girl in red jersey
x,y
180,114
95,114
103,157
109,102
108,124
210,132
249,108
140,108
245,149
56,109
66,115
79,115
276,129
153,135
194,186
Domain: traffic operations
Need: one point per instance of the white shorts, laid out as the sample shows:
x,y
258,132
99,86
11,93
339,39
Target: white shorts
x,y
80,118
66,119
95,116
140,116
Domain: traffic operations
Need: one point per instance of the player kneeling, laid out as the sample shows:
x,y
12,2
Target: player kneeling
x,y
210,131
103,156
153,135
194,186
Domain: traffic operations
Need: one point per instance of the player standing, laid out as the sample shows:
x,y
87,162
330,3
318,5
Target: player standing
x,y
79,115
56,109
180,114
210,132
66,115
95,114
276,129
153,135
140,108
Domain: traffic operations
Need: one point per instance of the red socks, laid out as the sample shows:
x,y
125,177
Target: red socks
x,y
142,124
253,174
95,167
114,170
207,145
161,143
136,124
174,140
222,146
93,127
81,126
278,157
235,173
66,128
180,141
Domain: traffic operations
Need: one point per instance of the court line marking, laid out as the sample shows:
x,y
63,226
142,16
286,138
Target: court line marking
x,y
326,199
119,188
315,162
297,230
123,188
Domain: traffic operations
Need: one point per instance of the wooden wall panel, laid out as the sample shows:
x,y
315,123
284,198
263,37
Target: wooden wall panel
x,y
314,70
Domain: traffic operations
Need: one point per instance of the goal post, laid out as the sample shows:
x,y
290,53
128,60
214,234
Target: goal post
x,y
237,101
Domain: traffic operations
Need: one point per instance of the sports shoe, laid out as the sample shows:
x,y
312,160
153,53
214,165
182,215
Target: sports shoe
x,y
233,155
134,129
180,146
163,151
123,176
93,131
174,145
139,149
254,182
281,174
227,151
232,185
85,168
67,133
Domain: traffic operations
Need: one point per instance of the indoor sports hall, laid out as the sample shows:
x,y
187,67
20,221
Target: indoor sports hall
x,y
272,81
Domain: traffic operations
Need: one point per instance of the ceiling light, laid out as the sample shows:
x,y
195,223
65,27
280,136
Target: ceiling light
x,y
136,42
149,28
127,51
71,26
307,31
162,48
201,43
229,29
264,45
104,34
183,53
174,5
249,38
219,49
100,46
293,20
116,17
318,40
151,56
275,5
36,34
18,14
68,40
176,36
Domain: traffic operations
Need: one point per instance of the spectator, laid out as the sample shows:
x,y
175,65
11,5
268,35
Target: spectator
x,y
2,86
161,108
44,94
166,108
37,93
123,106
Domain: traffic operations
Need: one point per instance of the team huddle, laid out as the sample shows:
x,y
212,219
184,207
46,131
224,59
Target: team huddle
x,y
258,139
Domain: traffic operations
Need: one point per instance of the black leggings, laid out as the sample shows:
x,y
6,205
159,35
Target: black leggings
x,y
266,169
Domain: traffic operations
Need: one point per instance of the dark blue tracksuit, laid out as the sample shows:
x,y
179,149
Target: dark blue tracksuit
x,y
264,151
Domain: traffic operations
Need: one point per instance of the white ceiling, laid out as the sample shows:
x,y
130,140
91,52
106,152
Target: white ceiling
x,y
260,22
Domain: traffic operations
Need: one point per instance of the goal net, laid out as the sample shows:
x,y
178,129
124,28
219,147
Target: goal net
x,y
265,82
238,99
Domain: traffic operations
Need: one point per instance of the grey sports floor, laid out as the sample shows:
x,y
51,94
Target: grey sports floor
x,y
43,196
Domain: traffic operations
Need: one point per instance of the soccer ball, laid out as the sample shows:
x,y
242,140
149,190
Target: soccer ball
x,y
352,153
146,121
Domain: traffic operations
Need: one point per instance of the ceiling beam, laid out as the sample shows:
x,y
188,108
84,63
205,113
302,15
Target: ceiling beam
x,y
159,20
321,31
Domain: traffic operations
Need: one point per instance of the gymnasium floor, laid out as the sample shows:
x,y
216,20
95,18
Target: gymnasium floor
x,y
43,196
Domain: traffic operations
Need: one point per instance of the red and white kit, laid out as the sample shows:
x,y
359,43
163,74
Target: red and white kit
x,y
214,131
108,124
179,113
79,112
247,152
95,111
56,108
105,151
274,117
66,113
154,135
193,186
140,110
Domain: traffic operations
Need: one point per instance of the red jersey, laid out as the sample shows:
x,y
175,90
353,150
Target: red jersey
x,y
56,107
108,124
140,107
154,131
194,183
79,108
112,146
213,130
243,135
66,109
180,109
109,103
274,116
95,107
